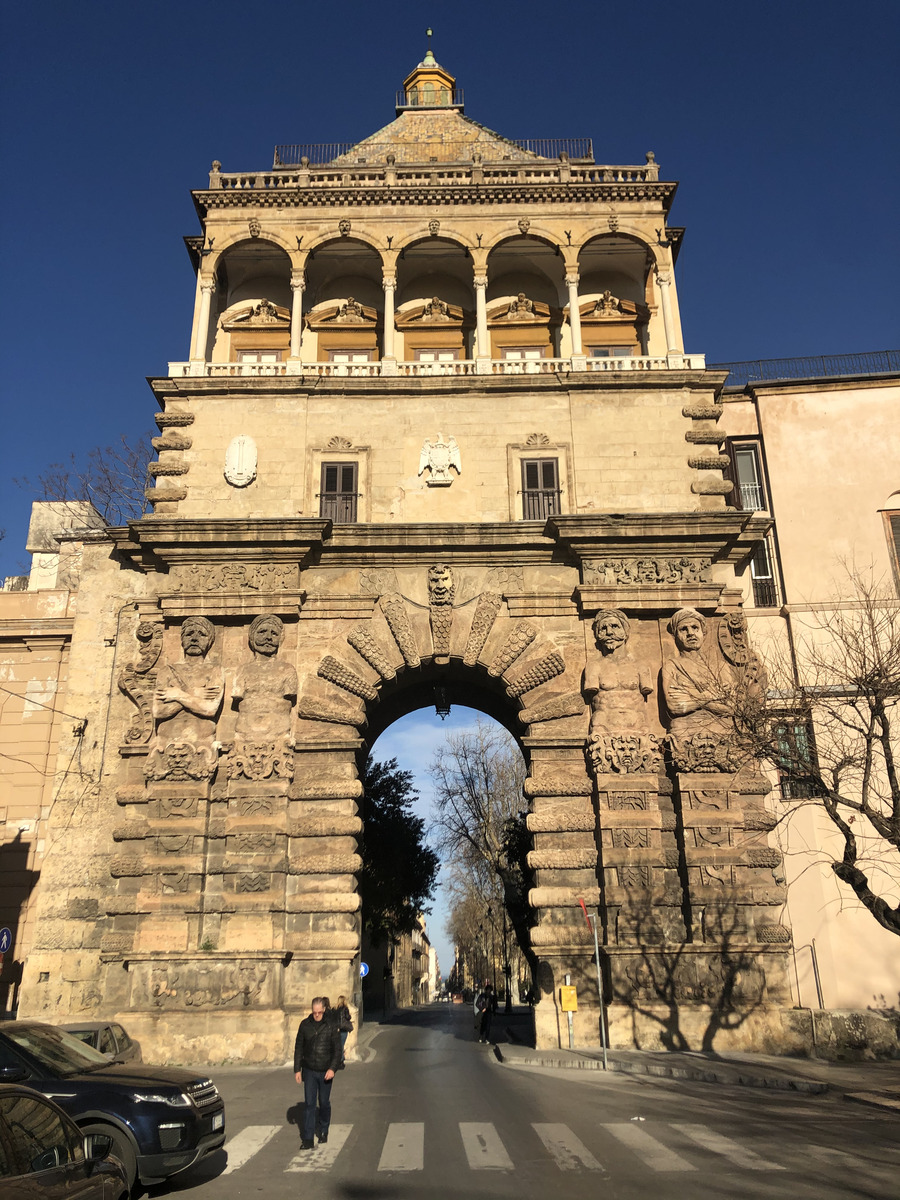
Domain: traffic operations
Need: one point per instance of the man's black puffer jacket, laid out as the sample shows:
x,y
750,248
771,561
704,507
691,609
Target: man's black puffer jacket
x,y
318,1045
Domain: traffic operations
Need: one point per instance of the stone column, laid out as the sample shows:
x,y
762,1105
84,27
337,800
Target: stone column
x,y
663,279
389,283
575,323
298,283
198,350
482,343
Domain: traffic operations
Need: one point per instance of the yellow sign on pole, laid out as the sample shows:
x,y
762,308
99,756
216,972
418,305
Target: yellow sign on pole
x,y
568,999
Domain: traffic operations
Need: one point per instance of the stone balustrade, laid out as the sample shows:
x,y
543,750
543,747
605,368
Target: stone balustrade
x,y
388,367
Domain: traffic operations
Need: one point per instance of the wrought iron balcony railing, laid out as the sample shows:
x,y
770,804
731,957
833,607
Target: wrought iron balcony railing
x,y
823,366
317,154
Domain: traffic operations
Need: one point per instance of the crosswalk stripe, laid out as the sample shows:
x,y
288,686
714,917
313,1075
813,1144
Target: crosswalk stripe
x,y
241,1148
322,1157
483,1147
727,1147
404,1148
568,1151
651,1152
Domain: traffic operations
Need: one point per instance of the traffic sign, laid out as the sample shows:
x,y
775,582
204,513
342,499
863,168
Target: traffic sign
x,y
363,968
5,940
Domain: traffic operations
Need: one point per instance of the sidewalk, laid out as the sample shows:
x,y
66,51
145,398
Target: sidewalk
x,y
874,1083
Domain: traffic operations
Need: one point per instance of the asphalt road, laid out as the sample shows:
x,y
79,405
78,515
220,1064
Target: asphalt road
x,y
433,1116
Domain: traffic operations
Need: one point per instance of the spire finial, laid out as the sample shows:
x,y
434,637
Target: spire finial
x,y
429,59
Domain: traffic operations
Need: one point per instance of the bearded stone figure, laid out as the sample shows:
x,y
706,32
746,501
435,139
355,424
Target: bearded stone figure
x,y
265,688
616,687
264,692
186,705
699,690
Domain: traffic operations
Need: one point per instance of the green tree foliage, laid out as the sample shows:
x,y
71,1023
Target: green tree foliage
x,y
399,870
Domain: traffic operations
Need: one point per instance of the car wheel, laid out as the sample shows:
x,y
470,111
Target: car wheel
x,y
121,1148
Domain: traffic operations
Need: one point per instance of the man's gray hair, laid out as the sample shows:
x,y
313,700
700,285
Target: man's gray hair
x,y
323,1000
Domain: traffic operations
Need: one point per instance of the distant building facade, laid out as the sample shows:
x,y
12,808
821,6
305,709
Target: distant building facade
x,y
437,440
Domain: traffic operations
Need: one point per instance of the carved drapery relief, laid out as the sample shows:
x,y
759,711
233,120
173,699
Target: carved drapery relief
x,y
186,703
437,458
138,682
341,676
569,705
633,572
482,623
368,647
543,671
517,642
397,617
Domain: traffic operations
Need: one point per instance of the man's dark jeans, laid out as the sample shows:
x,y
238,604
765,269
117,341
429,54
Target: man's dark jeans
x,y
316,1089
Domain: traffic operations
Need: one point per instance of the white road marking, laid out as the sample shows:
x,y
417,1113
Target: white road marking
x,y
483,1147
568,1151
734,1151
651,1152
241,1148
322,1157
404,1147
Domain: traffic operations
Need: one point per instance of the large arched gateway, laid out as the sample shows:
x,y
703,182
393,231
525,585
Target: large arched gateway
x,y
487,486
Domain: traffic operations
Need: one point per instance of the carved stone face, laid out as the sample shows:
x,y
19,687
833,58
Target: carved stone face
x,y
266,637
434,227
196,637
440,583
609,633
689,634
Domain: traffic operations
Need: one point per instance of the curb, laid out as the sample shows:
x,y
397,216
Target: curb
x,y
875,1100
695,1074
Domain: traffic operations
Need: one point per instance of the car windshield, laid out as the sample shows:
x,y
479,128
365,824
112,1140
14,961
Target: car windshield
x,y
58,1051
83,1035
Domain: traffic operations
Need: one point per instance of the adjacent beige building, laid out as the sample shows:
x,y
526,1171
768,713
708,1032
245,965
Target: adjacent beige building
x,y
437,440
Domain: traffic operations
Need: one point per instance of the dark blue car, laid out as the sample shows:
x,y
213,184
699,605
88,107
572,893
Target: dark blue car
x,y
160,1119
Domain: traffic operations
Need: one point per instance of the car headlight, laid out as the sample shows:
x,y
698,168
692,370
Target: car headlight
x,y
179,1100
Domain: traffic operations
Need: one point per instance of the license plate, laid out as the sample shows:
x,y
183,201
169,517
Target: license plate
x,y
218,1121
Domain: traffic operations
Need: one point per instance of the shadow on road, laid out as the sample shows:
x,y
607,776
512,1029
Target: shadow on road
x,y
461,1021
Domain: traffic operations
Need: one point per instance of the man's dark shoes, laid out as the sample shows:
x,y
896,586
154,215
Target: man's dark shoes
x,y
323,1138
307,1144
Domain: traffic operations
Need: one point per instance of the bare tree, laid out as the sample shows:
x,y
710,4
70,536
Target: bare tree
x,y
832,729
112,478
478,778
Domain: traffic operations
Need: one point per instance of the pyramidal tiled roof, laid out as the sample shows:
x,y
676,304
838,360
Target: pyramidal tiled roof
x,y
435,134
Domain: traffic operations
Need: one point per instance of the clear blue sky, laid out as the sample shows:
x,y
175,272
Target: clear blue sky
x,y
780,119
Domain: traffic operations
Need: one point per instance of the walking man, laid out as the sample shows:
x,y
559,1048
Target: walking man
x,y
487,1006
317,1055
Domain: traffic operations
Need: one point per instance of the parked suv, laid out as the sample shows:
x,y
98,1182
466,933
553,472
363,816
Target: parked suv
x,y
160,1119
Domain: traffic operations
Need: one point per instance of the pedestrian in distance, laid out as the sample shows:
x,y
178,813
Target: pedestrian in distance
x,y
317,1055
487,1006
344,1022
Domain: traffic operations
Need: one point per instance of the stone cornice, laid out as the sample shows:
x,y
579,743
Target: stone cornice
x,y
508,543
723,537
183,388
512,192
158,542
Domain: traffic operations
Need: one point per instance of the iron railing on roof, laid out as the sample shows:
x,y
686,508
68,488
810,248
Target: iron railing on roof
x,y
320,153
769,370
436,97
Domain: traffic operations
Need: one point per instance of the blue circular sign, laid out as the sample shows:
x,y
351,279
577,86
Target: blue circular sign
x,y
5,940
363,967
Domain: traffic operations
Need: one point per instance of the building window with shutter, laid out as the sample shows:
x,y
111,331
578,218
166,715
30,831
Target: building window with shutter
x,y
892,529
337,499
763,576
796,759
747,476
540,488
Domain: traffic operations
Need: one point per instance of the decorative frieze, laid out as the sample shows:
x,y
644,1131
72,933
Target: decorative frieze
x,y
171,419
234,577
351,789
326,864
556,787
562,818
562,860
308,710
638,572
561,897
